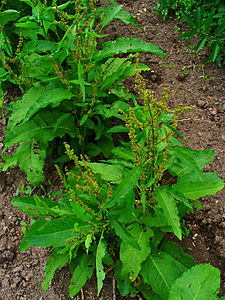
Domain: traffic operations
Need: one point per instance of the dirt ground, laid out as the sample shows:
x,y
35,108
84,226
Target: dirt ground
x,y
21,274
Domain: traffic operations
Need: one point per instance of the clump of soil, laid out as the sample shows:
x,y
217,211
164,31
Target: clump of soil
x,y
22,273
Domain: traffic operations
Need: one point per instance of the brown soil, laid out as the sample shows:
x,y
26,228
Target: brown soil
x,y
22,273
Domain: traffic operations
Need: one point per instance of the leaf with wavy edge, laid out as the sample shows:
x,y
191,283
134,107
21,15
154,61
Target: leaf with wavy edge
x,y
126,45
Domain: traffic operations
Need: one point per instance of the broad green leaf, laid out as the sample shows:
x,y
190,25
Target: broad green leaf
x,y
33,137
127,18
176,251
168,205
123,282
156,220
44,128
52,97
34,206
101,251
132,258
146,291
28,25
198,283
84,269
39,46
110,14
55,232
160,271
123,153
126,45
209,184
33,165
183,163
128,183
8,16
123,233
40,67
56,261
111,173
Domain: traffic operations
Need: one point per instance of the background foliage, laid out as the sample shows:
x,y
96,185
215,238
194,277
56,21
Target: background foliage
x,y
206,19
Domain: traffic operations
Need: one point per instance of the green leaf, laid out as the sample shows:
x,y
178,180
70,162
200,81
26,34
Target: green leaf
x,y
52,97
110,14
34,136
84,119
55,232
220,28
123,153
88,242
123,282
176,251
209,21
201,43
118,128
198,17
198,283
101,251
156,220
111,173
44,128
126,45
215,51
33,164
56,261
34,206
168,205
28,25
127,18
193,189
160,271
132,258
40,67
188,19
8,16
127,185
39,46
123,233
84,269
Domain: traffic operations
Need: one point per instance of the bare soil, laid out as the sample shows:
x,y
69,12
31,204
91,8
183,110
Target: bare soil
x,y
22,273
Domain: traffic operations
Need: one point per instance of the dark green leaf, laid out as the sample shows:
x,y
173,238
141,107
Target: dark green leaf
x,y
123,233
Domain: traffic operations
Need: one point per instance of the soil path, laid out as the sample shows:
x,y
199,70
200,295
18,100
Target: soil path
x,y
21,274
